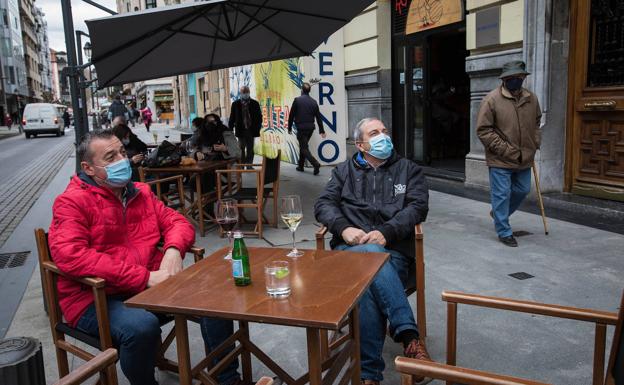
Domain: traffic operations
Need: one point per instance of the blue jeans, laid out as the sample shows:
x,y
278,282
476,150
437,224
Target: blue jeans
x,y
508,188
136,334
384,302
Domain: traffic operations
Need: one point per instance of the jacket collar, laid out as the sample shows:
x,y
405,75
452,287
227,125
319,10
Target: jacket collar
x,y
86,181
361,163
524,97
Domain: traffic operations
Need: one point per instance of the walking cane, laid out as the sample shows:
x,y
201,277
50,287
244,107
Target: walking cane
x,y
539,197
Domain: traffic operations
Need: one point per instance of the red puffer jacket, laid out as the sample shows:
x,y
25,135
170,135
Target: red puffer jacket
x,y
92,235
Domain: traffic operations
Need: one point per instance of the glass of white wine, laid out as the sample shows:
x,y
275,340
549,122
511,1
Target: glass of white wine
x,y
292,215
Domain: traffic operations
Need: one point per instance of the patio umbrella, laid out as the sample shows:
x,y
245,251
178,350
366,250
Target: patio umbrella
x,y
209,35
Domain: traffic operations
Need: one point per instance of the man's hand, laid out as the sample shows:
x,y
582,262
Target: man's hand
x,y
138,158
172,261
323,135
352,235
157,277
375,237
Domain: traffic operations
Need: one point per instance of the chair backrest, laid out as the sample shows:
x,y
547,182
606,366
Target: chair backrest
x,y
615,370
271,168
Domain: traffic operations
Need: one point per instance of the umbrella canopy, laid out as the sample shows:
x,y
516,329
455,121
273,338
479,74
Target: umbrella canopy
x,y
209,35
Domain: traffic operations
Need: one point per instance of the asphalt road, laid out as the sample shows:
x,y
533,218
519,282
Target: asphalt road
x,y
17,151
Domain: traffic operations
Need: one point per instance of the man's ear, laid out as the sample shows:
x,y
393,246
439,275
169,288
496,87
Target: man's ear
x,y
88,169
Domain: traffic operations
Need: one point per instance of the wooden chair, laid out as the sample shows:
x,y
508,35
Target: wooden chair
x,y
416,283
451,374
49,276
99,363
267,174
174,199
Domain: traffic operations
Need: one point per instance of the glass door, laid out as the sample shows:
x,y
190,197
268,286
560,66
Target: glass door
x,y
416,105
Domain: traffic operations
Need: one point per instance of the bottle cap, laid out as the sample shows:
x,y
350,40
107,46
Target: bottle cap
x,y
238,234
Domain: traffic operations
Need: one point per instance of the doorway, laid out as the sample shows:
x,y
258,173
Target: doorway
x,y
431,91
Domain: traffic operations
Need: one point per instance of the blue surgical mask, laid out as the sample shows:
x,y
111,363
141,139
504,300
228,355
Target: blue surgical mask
x,y
245,96
513,84
380,146
118,174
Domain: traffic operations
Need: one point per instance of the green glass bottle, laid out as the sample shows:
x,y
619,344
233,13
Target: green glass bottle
x,y
240,261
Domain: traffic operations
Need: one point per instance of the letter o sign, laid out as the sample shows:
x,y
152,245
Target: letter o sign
x,y
321,151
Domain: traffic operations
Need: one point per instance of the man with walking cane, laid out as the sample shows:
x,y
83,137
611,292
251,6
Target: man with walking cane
x,y
508,125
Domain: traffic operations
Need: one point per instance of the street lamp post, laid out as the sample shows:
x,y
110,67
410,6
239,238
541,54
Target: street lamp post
x,y
81,77
93,88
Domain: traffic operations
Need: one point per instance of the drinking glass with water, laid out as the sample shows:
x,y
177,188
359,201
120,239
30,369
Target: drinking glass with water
x,y
277,278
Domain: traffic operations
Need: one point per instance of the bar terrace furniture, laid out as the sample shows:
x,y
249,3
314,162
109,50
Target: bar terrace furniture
x,y
49,276
100,363
450,373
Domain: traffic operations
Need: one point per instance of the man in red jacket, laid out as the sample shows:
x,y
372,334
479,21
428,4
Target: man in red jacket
x,y
106,226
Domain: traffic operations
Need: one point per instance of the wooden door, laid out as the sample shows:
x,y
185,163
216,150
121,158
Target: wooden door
x,y
595,129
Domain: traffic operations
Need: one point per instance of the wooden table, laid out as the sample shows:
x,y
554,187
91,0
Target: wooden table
x,y
326,286
199,199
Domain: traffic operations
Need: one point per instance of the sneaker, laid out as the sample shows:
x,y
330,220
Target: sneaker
x,y
509,241
416,349
317,170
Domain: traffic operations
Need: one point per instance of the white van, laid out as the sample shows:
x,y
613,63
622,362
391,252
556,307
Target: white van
x,y
43,118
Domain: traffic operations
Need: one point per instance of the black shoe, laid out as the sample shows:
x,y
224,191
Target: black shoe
x,y
317,169
509,241
299,169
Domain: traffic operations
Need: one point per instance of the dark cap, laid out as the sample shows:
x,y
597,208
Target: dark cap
x,y
513,68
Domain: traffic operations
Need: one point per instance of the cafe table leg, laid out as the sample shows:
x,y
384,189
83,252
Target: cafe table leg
x,y
243,326
314,356
182,346
354,327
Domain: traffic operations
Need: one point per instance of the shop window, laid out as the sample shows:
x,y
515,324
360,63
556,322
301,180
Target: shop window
x,y
150,4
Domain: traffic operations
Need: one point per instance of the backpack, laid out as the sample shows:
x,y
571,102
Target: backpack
x,y
165,155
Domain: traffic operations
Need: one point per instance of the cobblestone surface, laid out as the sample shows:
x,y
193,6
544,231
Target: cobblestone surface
x,y
18,193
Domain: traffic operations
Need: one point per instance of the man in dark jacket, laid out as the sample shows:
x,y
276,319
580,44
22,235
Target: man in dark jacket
x,y
303,112
117,108
508,125
246,121
372,204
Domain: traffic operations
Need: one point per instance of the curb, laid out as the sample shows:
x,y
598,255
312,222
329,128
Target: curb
x,y
9,134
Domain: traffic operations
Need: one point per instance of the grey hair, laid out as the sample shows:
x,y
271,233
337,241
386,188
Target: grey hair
x,y
84,147
357,132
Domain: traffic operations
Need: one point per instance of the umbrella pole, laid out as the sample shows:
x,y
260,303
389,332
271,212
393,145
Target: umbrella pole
x,y
539,197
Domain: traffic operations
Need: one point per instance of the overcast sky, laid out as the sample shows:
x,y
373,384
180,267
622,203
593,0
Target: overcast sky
x,y
81,11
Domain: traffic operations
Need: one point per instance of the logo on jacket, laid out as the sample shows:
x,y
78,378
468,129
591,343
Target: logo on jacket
x,y
399,189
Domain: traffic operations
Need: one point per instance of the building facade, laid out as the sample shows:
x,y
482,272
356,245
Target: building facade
x,y
44,55
12,57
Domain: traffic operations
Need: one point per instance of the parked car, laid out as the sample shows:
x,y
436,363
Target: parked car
x,y
43,118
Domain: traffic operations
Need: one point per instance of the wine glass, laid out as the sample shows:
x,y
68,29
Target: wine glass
x,y
292,215
226,215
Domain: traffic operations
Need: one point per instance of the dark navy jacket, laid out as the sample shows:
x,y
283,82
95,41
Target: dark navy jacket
x,y
303,112
392,199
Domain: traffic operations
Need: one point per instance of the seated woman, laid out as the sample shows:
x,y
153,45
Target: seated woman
x,y
135,148
215,140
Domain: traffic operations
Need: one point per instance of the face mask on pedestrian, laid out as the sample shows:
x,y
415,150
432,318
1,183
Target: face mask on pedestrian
x,y
380,146
125,141
118,173
245,96
514,84
194,128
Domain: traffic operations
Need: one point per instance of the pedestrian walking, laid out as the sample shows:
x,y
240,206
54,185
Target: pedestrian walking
x,y
66,119
117,108
146,114
508,125
8,121
303,112
246,121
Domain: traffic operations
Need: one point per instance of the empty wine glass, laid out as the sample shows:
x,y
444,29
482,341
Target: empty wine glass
x,y
292,215
226,215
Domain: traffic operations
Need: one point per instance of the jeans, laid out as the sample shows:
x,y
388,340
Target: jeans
x,y
508,188
246,144
383,302
304,150
215,331
136,334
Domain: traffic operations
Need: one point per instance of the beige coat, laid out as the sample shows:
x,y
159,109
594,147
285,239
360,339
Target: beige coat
x,y
509,129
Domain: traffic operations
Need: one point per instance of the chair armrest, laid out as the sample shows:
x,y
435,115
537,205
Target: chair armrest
x,y
264,380
456,374
167,179
418,231
95,282
247,165
574,313
233,171
198,253
90,368
320,238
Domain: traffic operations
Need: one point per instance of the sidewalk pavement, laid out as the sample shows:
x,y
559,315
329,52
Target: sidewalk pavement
x,y
574,266
7,132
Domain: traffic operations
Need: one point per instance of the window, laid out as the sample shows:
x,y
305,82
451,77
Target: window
x,y
150,4
5,17
127,7
9,72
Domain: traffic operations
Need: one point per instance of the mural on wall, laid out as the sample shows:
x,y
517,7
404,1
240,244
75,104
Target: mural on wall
x,y
276,84
427,14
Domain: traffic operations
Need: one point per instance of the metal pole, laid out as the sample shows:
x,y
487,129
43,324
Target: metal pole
x,y
83,91
70,44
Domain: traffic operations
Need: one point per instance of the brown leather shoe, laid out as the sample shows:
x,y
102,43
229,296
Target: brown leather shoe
x,y
416,349
369,382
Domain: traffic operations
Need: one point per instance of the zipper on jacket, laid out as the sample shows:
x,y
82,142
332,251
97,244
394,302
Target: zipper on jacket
x,y
519,129
374,185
